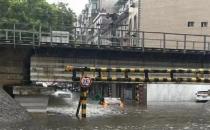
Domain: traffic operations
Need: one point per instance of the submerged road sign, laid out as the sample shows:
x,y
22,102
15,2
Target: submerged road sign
x,y
85,82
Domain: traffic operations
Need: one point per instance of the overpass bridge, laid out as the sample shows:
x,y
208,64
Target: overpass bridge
x,y
26,57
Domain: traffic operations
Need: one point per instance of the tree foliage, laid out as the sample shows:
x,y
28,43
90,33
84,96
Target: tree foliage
x,y
34,13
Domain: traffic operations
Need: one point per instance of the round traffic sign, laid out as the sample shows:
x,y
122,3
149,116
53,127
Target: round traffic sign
x,y
85,82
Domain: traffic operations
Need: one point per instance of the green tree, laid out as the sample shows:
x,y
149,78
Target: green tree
x,y
33,13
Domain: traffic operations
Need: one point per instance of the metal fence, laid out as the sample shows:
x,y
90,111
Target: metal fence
x,y
97,38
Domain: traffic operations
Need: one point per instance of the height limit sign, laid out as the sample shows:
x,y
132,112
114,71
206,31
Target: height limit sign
x,y
85,82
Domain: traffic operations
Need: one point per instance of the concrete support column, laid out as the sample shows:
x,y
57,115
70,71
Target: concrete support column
x,y
142,92
102,90
122,91
118,90
134,92
114,90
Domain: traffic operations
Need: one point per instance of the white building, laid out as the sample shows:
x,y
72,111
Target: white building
x,y
172,16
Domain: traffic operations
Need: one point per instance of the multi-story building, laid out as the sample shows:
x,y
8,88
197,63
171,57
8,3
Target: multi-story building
x,y
175,16
113,26
117,32
132,16
85,20
94,11
172,16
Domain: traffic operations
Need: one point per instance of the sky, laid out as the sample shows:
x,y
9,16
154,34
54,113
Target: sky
x,y
76,5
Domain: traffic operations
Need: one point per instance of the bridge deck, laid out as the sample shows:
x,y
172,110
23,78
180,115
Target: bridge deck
x,y
147,41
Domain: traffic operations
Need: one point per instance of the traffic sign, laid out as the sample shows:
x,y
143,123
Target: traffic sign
x,y
85,82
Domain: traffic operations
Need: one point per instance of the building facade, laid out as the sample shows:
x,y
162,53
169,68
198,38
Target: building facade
x,y
175,16
121,21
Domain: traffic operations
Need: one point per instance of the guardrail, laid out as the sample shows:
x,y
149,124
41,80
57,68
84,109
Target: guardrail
x,y
94,38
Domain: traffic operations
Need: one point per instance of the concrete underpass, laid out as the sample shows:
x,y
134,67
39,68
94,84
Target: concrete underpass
x,y
52,69
23,66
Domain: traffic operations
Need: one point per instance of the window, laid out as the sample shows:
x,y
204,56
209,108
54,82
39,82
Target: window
x,y
204,24
190,24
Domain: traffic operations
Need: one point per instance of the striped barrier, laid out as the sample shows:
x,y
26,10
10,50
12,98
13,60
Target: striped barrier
x,y
205,80
196,75
140,70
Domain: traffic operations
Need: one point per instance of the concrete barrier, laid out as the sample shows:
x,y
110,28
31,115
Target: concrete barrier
x,y
174,92
34,99
32,103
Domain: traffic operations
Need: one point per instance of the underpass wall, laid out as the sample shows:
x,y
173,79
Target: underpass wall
x,y
14,65
50,66
50,69
174,92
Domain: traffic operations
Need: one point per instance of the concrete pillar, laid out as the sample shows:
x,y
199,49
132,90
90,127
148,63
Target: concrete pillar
x,y
118,90
134,91
114,90
142,92
102,90
121,91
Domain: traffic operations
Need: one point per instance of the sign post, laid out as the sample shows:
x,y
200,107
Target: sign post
x,y
85,83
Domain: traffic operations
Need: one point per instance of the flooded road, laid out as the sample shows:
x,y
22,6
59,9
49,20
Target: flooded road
x,y
157,116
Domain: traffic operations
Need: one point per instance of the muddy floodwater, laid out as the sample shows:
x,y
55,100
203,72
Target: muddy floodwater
x,y
157,116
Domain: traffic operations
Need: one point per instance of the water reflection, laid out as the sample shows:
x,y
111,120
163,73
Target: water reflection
x,y
157,116
69,106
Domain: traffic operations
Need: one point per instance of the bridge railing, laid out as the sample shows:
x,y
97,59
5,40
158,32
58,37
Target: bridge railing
x,y
111,39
